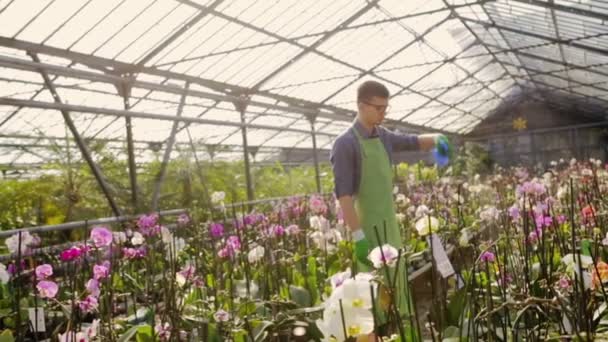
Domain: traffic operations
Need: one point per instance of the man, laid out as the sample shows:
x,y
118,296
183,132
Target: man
x,y
361,159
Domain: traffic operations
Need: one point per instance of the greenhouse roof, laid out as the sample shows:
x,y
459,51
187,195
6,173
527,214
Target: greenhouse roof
x,y
188,66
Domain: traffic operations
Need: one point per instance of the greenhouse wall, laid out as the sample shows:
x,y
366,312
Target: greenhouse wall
x,y
549,135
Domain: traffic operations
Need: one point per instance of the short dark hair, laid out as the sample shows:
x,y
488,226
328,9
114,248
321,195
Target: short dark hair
x,y
369,89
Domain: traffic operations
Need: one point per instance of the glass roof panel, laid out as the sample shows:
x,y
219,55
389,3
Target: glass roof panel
x,y
361,49
253,45
18,13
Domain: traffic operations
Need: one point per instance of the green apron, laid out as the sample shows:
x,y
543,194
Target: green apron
x,y
374,205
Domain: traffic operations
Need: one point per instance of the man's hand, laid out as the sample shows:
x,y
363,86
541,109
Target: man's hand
x,y
443,146
361,247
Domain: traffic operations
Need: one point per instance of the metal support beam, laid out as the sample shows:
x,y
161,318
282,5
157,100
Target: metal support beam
x,y
464,23
133,114
178,33
306,108
80,224
370,71
315,157
446,61
163,167
470,75
567,65
126,93
241,107
558,36
502,35
463,100
79,141
200,171
294,104
552,87
567,9
312,48
370,4
532,72
569,42
294,40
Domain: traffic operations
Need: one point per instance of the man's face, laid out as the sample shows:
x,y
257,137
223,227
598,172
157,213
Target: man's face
x,y
373,110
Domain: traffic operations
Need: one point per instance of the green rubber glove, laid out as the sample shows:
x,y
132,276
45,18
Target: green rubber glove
x,y
361,247
443,146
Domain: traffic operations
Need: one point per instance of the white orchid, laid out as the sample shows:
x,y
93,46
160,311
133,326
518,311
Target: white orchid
x,y
402,200
400,217
319,223
357,322
326,240
217,197
351,301
422,210
465,237
425,224
119,237
137,239
4,275
562,192
338,279
166,235
386,254
13,242
241,288
256,254
570,260
489,214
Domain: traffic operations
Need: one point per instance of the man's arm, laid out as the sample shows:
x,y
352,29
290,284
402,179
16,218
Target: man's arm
x,y
342,159
409,142
427,141
343,164
350,215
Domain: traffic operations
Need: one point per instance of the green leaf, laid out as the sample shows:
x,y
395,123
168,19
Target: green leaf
x,y
239,335
600,311
128,334
456,305
210,281
248,308
212,334
451,332
133,281
300,296
7,336
259,331
142,315
145,333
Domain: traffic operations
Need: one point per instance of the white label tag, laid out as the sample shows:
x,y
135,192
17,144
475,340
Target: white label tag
x,y
37,319
444,266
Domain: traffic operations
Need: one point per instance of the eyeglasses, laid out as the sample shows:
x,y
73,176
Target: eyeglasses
x,y
378,108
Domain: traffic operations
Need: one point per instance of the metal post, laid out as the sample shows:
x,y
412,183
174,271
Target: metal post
x,y
241,106
126,93
168,150
315,158
79,141
199,169
79,224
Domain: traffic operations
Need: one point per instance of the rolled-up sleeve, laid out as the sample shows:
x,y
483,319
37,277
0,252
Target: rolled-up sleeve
x,y
342,159
403,142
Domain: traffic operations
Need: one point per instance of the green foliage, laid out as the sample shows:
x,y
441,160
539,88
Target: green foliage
x,y
471,159
68,192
